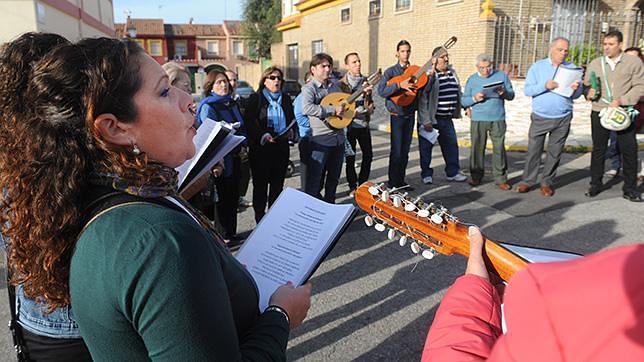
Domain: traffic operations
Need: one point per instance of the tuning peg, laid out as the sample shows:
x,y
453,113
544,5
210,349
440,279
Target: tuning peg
x,y
373,189
428,254
410,206
368,220
397,201
384,196
415,248
403,240
380,227
436,218
423,213
391,234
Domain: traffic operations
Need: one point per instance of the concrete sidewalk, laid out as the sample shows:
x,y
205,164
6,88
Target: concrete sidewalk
x,y
518,122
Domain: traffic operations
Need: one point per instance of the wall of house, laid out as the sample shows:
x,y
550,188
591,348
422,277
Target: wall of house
x,y
428,25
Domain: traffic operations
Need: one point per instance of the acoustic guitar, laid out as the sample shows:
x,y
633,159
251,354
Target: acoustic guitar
x,y
428,228
347,102
417,76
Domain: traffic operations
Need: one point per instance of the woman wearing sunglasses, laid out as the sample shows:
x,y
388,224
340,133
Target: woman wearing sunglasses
x,y
268,114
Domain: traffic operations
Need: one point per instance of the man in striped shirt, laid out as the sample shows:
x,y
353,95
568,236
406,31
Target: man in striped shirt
x,y
438,104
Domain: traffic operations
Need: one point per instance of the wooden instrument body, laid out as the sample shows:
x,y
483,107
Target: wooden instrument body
x,y
406,97
339,99
447,237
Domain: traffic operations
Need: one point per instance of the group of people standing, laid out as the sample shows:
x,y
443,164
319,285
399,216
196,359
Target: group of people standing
x,y
441,101
91,133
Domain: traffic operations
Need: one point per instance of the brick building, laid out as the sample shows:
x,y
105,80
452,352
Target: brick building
x,y
196,46
373,27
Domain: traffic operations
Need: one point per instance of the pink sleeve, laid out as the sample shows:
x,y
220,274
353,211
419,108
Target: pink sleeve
x,y
467,323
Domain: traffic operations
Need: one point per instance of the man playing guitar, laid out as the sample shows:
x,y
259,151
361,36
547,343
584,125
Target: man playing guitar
x,y
402,119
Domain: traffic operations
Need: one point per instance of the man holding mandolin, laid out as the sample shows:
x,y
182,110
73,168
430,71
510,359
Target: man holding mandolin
x,y
327,143
402,117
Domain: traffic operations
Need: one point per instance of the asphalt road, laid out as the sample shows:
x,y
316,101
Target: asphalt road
x,y
369,303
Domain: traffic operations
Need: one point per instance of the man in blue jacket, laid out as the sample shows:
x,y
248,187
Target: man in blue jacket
x,y
485,93
551,115
402,118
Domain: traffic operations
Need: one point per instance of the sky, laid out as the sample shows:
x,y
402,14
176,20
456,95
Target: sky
x,y
179,11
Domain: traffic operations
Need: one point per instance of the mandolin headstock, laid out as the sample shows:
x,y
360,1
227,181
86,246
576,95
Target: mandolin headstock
x,y
428,227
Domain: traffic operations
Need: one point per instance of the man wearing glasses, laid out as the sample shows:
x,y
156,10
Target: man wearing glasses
x,y
486,92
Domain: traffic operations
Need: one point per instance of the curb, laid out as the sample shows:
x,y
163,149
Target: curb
x,y
512,148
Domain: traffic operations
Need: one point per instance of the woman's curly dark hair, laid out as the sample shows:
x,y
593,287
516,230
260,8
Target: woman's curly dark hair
x,y
49,147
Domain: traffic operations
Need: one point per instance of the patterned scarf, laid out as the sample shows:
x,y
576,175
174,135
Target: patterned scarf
x,y
164,184
276,117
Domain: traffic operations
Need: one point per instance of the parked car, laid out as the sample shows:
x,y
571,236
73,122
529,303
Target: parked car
x,y
244,89
292,88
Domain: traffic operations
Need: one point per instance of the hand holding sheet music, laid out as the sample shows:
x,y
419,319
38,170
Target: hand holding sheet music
x,y
292,240
565,77
212,142
491,90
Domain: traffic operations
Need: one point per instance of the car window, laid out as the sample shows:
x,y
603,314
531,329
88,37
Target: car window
x,y
292,87
243,84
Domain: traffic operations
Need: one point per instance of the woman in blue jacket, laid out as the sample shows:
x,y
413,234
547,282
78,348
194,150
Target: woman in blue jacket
x,y
219,105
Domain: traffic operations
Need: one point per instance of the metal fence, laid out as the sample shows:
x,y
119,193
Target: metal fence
x,y
519,42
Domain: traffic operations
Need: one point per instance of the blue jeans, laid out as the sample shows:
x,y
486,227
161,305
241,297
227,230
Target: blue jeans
x,y
402,128
449,149
324,168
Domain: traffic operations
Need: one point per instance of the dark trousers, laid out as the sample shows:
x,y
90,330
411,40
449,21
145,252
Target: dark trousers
x,y
244,173
361,136
41,348
627,148
449,148
304,147
268,164
402,128
557,130
228,192
324,168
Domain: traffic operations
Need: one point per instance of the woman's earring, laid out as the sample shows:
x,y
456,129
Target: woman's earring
x,y
135,149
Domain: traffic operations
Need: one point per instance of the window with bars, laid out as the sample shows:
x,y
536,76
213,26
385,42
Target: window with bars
x,y
345,15
181,48
213,47
156,48
238,47
375,8
293,63
317,46
402,5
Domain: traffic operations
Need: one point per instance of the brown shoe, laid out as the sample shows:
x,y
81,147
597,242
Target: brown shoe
x,y
547,191
523,188
474,182
504,186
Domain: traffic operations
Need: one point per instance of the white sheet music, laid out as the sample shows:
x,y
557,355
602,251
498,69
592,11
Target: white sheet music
x,y
566,77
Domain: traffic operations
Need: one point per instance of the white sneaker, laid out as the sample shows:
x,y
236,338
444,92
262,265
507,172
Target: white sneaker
x,y
428,180
459,177
611,173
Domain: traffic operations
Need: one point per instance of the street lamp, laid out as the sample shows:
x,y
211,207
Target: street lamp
x,y
131,30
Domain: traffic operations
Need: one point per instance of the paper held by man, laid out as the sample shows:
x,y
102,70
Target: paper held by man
x,y
491,90
565,77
